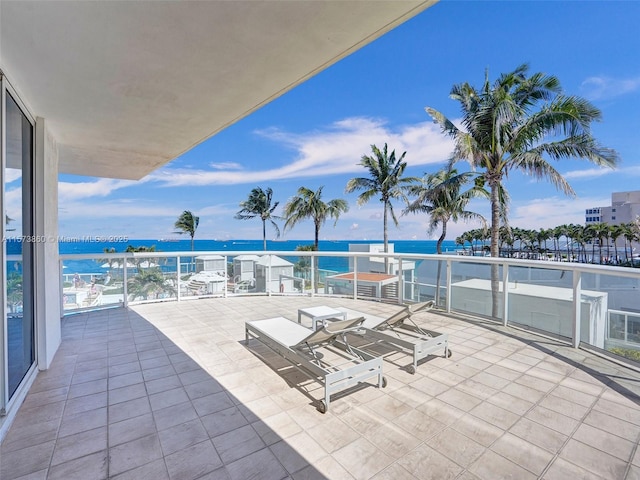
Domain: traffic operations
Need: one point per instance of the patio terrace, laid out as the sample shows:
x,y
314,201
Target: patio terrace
x,y
171,390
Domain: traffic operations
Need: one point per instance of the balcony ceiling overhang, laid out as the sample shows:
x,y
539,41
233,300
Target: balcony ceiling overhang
x,y
126,87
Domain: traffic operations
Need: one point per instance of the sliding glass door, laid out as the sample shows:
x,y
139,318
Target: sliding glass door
x,y
17,178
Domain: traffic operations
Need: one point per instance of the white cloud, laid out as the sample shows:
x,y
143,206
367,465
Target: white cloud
x,y
354,226
116,209
599,172
226,166
334,150
588,173
602,87
551,212
102,187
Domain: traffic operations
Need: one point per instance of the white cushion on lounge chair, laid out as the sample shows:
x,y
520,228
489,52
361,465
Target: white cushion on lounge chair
x,y
285,331
293,334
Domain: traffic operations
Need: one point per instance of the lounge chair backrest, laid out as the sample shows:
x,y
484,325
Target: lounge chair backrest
x,y
402,315
417,307
396,318
332,330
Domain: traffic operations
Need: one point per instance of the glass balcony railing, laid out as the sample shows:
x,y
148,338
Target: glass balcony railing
x,y
539,296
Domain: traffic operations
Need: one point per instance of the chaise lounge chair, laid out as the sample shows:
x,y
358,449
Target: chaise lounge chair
x,y
310,352
405,336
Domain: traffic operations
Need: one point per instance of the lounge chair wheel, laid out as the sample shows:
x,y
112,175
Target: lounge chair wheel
x,y
411,369
384,382
449,353
323,407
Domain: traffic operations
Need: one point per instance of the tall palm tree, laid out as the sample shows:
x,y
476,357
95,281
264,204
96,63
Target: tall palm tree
x,y
187,223
308,204
259,204
386,181
516,123
439,195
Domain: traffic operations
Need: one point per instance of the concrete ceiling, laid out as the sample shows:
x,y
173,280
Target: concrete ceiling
x,y
126,87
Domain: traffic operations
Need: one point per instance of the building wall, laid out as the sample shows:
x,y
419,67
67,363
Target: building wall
x,y
47,275
625,207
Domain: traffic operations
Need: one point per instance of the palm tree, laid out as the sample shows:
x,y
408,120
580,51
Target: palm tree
x,y
615,232
187,223
439,196
386,180
506,126
579,235
599,231
259,204
631,234
308,204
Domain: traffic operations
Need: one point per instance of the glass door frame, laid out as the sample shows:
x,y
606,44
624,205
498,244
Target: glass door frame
x,y
28,202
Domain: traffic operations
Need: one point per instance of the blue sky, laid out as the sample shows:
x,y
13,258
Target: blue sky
x,y
316,134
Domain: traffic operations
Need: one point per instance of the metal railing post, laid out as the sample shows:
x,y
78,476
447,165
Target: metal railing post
x,y
313,275
626,328
178,278
226,276
400,282
505,294
355,277
448,307
267,284
124,283
577,288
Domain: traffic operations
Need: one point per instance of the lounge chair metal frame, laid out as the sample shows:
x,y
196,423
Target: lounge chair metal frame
x,y
304,353
418,341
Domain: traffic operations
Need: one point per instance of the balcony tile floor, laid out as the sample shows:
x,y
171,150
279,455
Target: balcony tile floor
x,y
172,391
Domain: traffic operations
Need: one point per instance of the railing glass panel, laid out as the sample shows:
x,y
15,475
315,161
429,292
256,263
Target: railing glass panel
x,y
92,283
341,275
428,282
151,279
542,299
619,330
471,288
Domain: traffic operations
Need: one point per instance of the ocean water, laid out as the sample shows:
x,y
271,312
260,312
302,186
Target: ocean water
x,y
338,264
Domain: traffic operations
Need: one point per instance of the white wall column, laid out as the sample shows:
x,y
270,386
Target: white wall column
x,y
47,274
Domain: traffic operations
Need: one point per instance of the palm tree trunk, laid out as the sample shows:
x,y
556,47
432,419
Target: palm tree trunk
x,y
495,231
315,258
386,238
439,251
264,235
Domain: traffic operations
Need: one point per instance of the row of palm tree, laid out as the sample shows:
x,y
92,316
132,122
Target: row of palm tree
x,y
440,195
564,242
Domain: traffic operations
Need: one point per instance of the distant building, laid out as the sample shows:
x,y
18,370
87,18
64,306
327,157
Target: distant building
x,y
625,207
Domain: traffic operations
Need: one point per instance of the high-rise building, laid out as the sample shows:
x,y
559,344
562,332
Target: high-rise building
x,y
625,208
